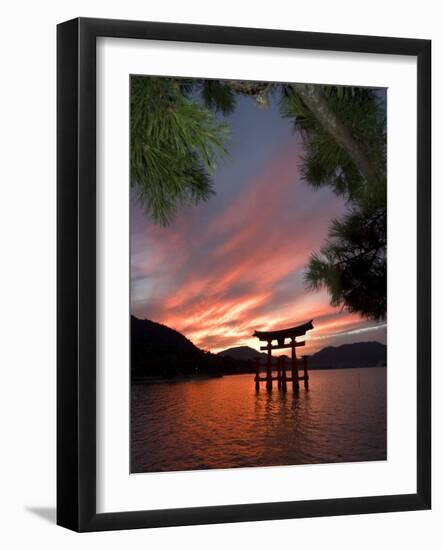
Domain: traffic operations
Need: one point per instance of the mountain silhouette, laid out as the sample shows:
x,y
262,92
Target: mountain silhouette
x,y
245,353
160,351
155,336
359,354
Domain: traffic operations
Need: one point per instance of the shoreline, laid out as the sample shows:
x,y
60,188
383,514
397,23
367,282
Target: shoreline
x,y
150,380
164,380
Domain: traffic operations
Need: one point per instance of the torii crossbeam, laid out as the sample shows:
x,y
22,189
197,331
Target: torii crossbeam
x,y
280,337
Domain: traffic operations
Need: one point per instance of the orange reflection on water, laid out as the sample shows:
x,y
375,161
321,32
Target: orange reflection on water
x,y
224,423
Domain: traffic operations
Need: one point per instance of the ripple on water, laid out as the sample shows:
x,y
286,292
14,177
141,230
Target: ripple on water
x,y
223,423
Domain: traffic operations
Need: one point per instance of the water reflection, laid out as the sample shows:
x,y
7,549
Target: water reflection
x,y
224,423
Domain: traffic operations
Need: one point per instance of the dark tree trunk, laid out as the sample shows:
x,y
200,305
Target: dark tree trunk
x,y
316,102
313,98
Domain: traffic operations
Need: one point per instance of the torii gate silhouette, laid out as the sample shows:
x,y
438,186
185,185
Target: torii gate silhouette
x,y
280,337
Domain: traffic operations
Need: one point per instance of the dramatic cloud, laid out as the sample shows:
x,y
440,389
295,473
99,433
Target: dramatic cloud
x,y
235,264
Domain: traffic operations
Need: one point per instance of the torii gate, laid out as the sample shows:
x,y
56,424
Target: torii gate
x,y
280,337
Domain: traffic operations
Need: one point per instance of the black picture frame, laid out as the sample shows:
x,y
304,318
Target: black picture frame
x,y
76,274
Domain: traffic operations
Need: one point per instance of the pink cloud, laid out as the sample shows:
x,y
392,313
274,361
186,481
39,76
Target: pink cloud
x,y
218,281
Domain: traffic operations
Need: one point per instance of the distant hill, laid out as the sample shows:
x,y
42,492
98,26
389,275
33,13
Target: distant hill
x,y
360,354
245,353
159,351
162,352
155,336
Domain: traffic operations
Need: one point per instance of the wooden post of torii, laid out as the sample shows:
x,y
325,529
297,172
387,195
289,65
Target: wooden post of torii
x,y
269,371
280,336
295,370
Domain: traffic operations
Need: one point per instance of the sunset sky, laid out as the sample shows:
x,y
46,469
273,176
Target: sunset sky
x,y
235,264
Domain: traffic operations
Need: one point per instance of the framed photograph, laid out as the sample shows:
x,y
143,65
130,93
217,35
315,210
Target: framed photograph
x,y
243,274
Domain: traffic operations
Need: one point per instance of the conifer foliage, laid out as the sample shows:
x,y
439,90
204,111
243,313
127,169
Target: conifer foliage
x,y
175,144
346,151
178,134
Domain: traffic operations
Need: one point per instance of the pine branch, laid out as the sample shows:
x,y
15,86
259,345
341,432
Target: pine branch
x,y
175,146
315,101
